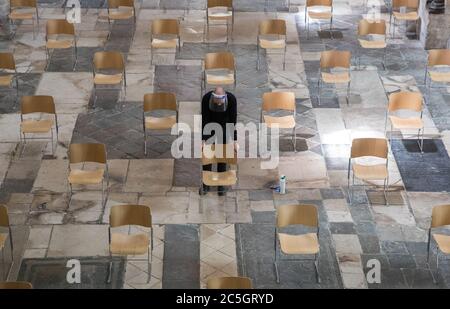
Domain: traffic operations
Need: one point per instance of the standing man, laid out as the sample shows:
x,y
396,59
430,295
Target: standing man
x,y
218,107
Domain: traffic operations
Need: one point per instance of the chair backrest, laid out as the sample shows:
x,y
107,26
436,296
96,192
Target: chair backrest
x,y
121,215
216,3
15,285
59,26
410,4
4,218
108,60
221,60
335,59
278,100
219,153
405,100
79,153
272,26
440,216
438,57
7,61
369,147
319,3
160,100
165,26
23,3
297,215
37,104
231,283
114,4
366,27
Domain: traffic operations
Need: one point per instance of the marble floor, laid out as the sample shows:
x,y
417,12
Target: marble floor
x,y
193,244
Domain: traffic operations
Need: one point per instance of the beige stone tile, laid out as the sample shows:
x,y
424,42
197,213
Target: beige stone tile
x,y
347,244
262,206
149,176
52,176
251,176
165,209
217,260
303,169
34,253
79,240
39,237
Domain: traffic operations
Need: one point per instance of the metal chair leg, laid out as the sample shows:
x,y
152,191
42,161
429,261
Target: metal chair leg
x,y
316,264
108,279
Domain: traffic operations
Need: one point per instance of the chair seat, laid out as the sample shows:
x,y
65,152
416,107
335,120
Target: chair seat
x,y
285,122
443,242
320,15
373,44
159,123
272,44
406,16
220,15
158,43
440,77
124,244
121,14
3,238
406,123
15,15
299,244
36,126
213,179
370,172
336,78
108,79
5,80
59,44
82,177
214,79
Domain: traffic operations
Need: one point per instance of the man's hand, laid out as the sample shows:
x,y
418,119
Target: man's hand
x,y
236,146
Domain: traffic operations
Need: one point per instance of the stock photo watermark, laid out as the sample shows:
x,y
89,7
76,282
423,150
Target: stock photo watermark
x,y
263,142
373,10
73,15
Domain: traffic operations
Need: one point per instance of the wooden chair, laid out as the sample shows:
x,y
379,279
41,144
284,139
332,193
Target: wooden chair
x,y
215,63
38,104
56,28
15,285
304,244
274,101
329,61
22,10
219,11
159,101
230,283
10,77
440,217
369,28
165,34
122,244
437,69
406,101
88,153
216,154
368,147
110,61
411,14
272,35
121,10
4,223
312,12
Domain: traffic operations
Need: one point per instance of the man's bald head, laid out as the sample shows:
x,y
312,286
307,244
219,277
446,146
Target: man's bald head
x,y
219,91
